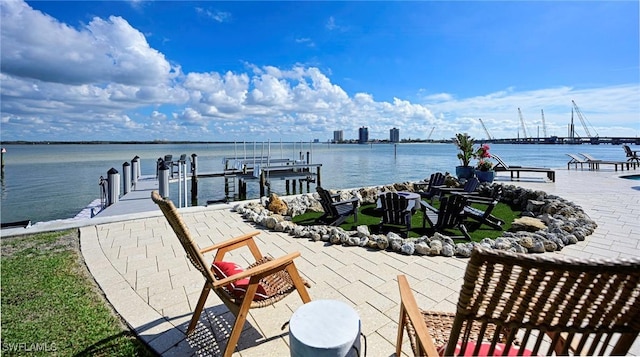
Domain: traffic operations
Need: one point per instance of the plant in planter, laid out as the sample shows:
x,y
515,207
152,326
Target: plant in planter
x,y
484,168
464,142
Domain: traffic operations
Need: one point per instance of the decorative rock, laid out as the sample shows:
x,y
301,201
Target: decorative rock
x,y
363,231
448,250
535,206
528,224
422,248
538,247
408,248
436,247
277,205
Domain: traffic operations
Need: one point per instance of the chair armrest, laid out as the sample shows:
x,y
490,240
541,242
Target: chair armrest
x,y
425,205
485,200
349,201
235,243
410,306
261,270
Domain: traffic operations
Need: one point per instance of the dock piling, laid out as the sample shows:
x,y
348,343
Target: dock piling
x,y
113,179
194,179
163,179
126,177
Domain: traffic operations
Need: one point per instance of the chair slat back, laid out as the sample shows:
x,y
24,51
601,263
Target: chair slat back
x,y
326,201
471,185
500,163
394,208
595,305
182,232
450,212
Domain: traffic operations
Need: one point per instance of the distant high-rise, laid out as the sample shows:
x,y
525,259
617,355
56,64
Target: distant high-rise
x,y
394,135
338,136
363,135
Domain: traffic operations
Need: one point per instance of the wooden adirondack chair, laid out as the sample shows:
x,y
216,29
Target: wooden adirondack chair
x,y
469,188
450,215
436,180
395,211
533,305
262,284
336,212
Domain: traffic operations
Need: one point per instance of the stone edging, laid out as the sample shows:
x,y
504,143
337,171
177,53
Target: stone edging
x,y
565,223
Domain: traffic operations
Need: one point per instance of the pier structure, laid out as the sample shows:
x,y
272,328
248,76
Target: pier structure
x,y
236,172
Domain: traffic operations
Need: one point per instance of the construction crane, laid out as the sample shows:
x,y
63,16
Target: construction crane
x,y
544,125
431,132
485,129
524,128
594,139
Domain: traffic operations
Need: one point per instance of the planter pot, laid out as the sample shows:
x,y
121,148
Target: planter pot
x,y
485,176
464,172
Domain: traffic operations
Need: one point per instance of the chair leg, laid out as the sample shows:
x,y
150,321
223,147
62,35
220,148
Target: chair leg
x,y
241,317
401,323
196,313
297,282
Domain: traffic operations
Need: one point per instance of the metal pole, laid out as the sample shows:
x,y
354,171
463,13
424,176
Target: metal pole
x,y
183,164
113,178
126,177
134,171
163,182
194,179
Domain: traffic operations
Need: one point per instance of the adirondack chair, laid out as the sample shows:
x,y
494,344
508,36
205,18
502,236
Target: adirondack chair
x,y
396,210
484,216
469,188
449,216
533,305
436,181
632,156
261,284
336,212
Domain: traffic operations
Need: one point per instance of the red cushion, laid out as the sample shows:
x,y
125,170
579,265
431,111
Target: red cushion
x,y
484,350
239,287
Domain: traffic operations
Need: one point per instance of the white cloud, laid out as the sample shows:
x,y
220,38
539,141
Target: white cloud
x,y
216,15
103,81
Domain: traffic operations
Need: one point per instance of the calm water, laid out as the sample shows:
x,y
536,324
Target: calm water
x,y
48,182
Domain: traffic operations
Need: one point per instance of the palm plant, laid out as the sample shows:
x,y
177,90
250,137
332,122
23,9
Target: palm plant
x,y
464,142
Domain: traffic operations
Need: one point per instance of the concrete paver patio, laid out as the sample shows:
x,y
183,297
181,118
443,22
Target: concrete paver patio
x,y
143,271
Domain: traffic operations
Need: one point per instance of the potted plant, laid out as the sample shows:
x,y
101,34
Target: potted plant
x,y
465,146
484,169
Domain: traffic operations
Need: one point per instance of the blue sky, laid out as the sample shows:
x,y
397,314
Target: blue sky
x,y
297,71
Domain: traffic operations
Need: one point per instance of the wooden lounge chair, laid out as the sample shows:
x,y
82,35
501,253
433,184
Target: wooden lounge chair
x,y
449,216
262,284
436,181
632,156
501,166
594,163
336,212
524,304
396,210
575,160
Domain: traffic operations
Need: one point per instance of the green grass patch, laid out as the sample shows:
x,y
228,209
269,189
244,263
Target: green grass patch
x,y
369,216
50,304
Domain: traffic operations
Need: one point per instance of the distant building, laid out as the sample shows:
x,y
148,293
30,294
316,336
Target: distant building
x,y
394,135
363,135
338,136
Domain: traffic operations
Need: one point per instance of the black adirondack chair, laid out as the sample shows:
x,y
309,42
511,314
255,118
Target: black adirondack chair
x,y
449,216
468,189
336,212
396,211
433,189
484,216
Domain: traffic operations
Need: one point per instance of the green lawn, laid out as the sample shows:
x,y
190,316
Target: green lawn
x,y
368,215
50,304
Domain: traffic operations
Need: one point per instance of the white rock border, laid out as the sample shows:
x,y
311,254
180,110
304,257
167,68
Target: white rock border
x,y
566,223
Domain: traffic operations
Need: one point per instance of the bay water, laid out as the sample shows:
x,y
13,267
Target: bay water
x,y
48,182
